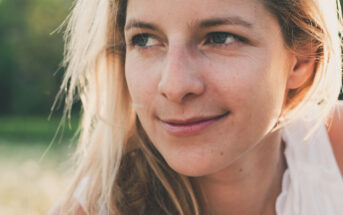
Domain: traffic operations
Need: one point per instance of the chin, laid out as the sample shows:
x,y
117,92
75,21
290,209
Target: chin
x,y
193,167
190,171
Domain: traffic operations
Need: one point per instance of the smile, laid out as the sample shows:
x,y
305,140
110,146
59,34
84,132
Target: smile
x,y
190,126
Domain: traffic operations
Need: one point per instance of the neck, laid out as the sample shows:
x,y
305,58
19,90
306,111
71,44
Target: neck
x,y
249,186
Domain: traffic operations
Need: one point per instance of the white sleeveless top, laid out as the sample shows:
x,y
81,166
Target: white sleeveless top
x,y
312,184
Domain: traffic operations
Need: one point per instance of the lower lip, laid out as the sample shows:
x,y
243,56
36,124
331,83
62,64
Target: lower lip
x,y
191,129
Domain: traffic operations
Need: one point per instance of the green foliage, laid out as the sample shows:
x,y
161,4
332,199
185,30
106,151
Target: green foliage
x,y
30,55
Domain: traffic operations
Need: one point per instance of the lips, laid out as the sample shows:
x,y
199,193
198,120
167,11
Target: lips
x,y
193,120
190,126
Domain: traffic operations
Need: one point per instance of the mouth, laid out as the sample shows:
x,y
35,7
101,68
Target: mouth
x,y
190,126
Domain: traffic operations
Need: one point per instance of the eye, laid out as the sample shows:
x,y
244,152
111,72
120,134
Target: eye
x,y
221,38
143,40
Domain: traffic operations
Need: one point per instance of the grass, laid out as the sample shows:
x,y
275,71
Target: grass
x,y
34,128
28,184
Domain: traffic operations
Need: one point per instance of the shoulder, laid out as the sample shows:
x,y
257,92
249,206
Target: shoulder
x,y
335,127
335,131
57,210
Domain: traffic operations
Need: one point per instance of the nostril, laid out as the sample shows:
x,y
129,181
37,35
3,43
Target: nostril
x,y
177,89
188,95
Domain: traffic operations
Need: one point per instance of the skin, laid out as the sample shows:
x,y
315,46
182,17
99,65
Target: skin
x,y
179,72
336,138
335,126
185,77
237,163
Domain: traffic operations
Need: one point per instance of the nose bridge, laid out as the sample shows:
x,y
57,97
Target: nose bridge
x,y
177,58
180,76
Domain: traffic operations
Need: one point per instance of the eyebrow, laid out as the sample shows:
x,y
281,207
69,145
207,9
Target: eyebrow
x,y
235,20
139,24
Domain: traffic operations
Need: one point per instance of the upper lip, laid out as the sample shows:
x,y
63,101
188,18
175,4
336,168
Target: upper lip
x,y
192,120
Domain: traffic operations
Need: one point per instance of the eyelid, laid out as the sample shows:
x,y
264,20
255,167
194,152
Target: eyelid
x,y
237,38
234,36
149,35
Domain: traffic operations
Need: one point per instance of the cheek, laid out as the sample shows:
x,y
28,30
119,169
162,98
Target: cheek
x,y
235,81
142,80
255,86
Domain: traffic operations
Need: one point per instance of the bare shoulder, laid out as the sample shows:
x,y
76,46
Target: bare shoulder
x,y
57,210
335,131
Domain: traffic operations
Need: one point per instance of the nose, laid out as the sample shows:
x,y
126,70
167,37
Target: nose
x,y
180,77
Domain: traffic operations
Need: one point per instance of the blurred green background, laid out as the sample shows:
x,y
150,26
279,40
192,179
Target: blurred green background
x,y
30,74
32,178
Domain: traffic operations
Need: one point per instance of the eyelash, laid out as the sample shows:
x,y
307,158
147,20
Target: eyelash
x,y
228,35
134,43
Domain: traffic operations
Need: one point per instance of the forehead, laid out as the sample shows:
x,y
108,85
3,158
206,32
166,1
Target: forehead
x,y
188,11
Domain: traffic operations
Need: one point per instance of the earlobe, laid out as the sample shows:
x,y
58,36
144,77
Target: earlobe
x,y
301,71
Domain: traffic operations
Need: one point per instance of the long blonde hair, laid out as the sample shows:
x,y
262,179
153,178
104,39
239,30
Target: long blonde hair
x,y
125,173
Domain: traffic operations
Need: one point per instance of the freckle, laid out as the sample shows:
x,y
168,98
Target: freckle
x,y
240,170
221,153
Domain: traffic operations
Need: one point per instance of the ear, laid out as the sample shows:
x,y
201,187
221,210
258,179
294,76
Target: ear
x,y
302,69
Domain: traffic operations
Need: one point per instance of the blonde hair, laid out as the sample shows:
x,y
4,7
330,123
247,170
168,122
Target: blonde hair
x,y
125,173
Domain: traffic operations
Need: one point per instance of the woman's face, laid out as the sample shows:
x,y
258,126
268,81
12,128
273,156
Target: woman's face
x,y
207,78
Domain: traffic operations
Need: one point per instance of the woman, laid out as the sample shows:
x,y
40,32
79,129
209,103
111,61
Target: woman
x,y
205,107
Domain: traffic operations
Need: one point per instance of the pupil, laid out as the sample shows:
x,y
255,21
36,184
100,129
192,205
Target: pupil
x,y
140,40
219,37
